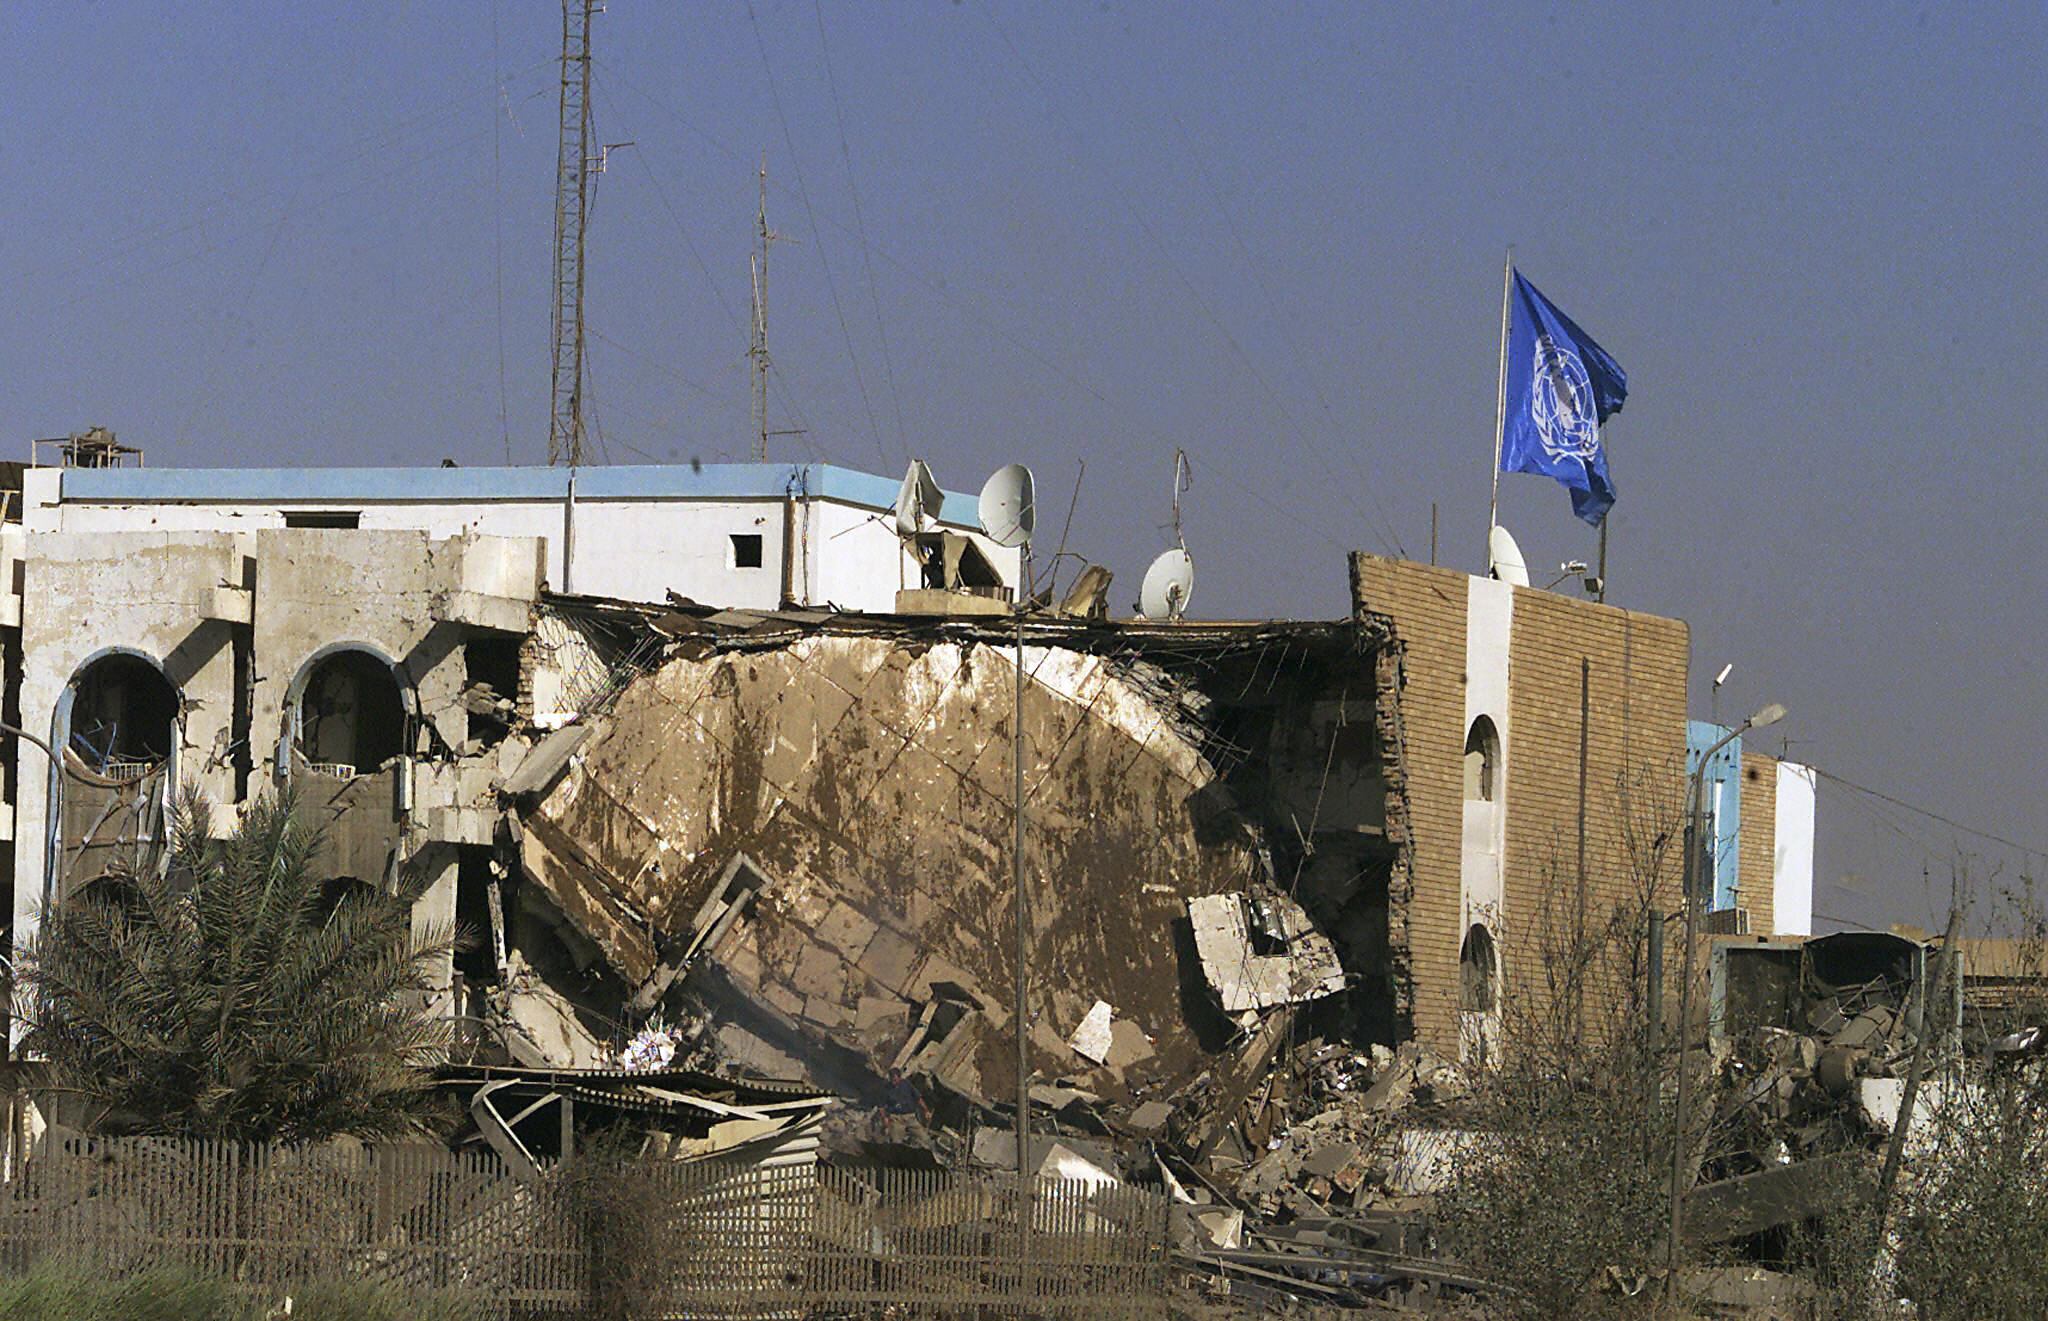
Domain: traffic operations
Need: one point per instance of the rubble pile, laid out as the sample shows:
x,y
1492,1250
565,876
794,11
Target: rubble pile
x,y
1828,1078
1327,1135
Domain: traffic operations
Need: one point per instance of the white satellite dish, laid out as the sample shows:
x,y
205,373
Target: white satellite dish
x,y
1505,558
1008,509
1168,585
918,499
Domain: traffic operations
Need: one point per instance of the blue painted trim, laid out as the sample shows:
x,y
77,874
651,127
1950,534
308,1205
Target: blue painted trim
x,y
1722,787
292,487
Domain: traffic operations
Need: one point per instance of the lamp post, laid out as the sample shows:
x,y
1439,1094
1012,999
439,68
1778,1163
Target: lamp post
x,y
1695,830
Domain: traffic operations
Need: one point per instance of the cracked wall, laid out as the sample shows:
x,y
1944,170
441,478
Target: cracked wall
x,y
868,778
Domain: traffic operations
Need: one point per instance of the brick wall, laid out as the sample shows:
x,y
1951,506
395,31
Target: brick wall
x,y
1428,608
1635,768
1635,667
1756,855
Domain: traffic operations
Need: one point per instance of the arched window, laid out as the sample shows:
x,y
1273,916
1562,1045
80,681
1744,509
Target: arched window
x,y
1482,762
1478,972
351,714
123,717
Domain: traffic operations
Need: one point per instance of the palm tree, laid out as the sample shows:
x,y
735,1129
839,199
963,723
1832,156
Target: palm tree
x,y
221,990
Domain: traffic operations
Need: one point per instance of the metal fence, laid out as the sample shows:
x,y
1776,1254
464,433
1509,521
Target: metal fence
x,y
643,1238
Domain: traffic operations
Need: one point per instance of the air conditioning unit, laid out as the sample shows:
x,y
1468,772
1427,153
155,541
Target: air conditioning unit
x,y
1728,922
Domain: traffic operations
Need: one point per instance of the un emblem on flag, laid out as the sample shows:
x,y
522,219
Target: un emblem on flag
x,y
1561,403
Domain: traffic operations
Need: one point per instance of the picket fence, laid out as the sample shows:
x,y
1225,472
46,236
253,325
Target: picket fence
x,y
641,1238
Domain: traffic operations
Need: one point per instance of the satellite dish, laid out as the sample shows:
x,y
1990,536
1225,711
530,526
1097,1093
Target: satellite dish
x,y
1505,558
1008,510
918,499
1168,585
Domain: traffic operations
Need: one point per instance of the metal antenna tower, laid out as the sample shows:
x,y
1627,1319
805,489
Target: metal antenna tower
x,y
572,203
757,349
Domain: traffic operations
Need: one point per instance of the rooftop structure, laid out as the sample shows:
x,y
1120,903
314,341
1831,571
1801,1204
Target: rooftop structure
x,y
743,535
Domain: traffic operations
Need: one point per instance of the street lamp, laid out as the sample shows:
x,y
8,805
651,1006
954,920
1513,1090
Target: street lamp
x,y
1695,831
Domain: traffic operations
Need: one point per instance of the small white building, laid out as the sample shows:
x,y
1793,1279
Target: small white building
x,y
743,535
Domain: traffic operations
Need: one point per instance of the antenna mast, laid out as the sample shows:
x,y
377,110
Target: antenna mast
x,y
572,203
757,350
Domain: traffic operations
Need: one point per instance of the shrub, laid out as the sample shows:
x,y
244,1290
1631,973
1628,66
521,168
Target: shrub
x,y
68,1291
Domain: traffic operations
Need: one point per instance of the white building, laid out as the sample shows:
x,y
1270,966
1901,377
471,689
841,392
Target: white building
x,y
744,535
380,635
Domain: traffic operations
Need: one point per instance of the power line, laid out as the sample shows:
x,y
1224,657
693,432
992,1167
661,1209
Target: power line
x,y
690,244
831,285
947,293
498,233
1388,541
860,223
1280,322
315,205
1930,814
244,207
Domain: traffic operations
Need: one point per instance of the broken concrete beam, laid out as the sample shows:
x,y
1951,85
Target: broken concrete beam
x,y
1329,1160
230,605
540,768
1751,1203
1866,1028
1259,951
496,614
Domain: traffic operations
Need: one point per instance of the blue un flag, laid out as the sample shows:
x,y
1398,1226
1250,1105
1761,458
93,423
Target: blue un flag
x,y
1560,387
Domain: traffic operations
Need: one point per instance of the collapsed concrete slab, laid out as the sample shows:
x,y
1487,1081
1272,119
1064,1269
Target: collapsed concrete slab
x,y
801,826
1259,951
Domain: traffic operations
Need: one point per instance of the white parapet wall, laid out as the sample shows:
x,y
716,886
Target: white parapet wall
x,y
739,535
1792,852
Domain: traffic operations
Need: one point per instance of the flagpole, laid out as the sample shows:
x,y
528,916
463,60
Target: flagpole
x,y
1500,403
1601,595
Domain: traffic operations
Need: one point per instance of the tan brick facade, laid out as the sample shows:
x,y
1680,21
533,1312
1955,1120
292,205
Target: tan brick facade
x,y
1634,668
1427,606
1636,684
1756,858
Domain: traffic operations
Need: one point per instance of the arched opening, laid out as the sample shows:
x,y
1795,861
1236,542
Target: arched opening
x,y
1482,762
123,716
1478,972
351,714
119,723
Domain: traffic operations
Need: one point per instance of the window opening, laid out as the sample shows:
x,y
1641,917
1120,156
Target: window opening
x,y
1482,762
124,716
746,550
323,518
352,715
490,672
1477,992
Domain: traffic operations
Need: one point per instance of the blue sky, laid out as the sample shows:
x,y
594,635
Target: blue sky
x,y
1269,234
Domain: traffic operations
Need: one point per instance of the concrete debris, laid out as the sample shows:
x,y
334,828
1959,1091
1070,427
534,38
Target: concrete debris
x,y
1260,950
1091,1039
1786,1194
1197,1227
1149,1118
1751,1292
1820,1085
